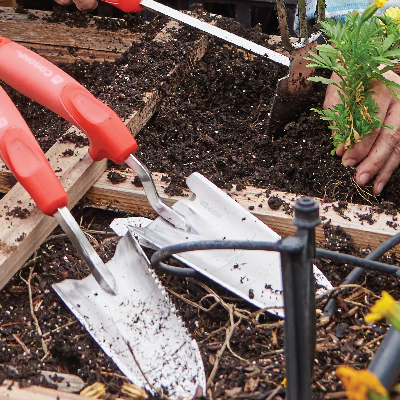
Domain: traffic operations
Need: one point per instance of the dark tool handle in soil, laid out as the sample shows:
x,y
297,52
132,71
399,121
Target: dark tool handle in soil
x,y
292,93
283,25
299,302
357,272
386,362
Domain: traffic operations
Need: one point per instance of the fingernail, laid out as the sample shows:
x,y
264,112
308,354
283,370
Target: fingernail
x,y
380,187
364,178
349,162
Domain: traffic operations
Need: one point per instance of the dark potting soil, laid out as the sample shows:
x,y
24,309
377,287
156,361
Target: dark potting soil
x,y
213,122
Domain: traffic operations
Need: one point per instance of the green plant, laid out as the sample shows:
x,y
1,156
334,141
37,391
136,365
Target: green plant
x,y
361,50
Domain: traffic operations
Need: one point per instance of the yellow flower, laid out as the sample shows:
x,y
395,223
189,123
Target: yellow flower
x,y
380,3
383,308
394,13
358,383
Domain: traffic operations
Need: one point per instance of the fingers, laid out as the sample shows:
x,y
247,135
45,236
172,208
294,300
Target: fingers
x,y
85,4
384,155
378,153
80,4
332,96
64,2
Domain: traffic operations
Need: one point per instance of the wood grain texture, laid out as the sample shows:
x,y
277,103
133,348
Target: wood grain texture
x,y
127,197
10,391
19,238
61,43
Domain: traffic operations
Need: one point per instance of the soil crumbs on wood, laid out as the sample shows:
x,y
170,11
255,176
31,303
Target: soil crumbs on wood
x,y
214,122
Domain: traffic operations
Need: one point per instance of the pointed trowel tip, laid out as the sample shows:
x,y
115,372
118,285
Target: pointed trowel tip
x,y
107,283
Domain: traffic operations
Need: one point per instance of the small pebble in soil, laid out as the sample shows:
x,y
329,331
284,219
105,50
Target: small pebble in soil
x,y
19,212
116,177
341,330
275,202
21,238
137,182
340,206
68,153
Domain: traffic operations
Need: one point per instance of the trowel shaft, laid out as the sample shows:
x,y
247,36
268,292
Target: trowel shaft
x,y
24,157
42,81
138,5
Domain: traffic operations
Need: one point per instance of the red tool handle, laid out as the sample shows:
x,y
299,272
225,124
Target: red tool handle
x,y
40,80
127,6
22,154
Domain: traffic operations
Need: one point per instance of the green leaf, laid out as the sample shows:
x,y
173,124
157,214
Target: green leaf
x,y
387,42
389,83
362,51
323,80
327,49
393,54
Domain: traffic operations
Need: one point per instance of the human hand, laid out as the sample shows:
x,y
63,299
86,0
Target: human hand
x,y
80,4
378,153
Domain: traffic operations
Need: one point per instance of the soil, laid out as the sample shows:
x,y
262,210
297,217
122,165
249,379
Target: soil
x,y
215,122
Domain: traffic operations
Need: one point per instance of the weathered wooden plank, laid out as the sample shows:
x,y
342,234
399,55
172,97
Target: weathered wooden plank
x,y
10,391
127,197
65,382
60,54
59,42
8,3
20,237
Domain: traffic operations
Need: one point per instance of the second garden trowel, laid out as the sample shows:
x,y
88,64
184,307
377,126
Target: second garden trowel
x,y
122,304
138,327
253,275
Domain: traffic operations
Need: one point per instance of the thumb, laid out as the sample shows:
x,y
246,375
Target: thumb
x,y
332,93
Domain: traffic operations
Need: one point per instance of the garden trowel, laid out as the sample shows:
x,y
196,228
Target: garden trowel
x,y
45,83
131,6
122,304
292,90
253,275
139,327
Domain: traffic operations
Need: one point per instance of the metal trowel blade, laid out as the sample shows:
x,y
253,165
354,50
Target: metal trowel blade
x,y
138,327
293,91
253,275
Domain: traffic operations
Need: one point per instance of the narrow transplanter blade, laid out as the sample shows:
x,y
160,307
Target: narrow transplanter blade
x,y
99,270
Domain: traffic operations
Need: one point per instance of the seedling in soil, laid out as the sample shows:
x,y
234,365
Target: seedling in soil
x,y
361,50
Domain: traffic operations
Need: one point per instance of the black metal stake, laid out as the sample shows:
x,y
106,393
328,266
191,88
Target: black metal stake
x,y
353,276
385,364
299,301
